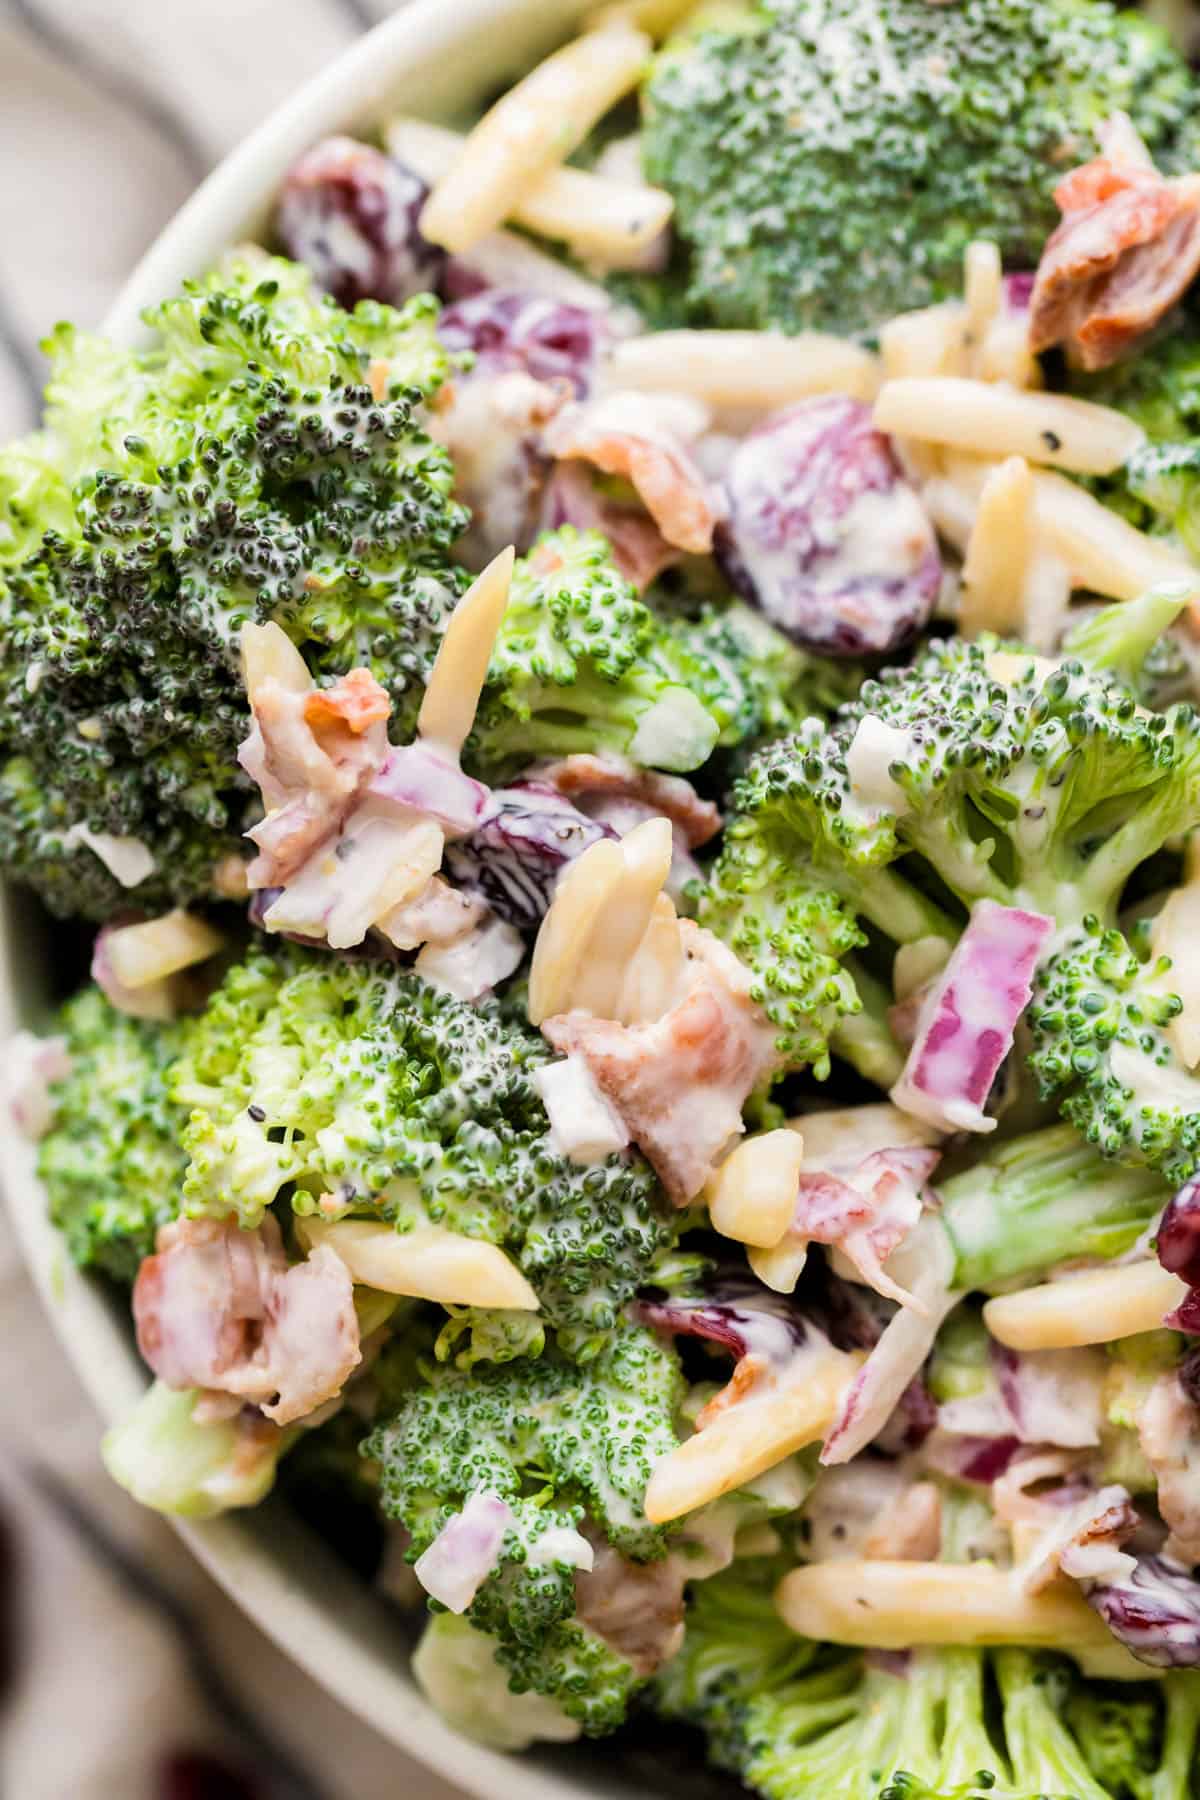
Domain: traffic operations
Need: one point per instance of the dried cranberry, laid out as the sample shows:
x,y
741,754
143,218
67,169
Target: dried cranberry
x,y
351,215
519,849
823,533
1189,1376
1179,1234
510,329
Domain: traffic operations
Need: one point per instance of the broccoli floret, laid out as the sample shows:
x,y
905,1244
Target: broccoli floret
x,y
555,1442
1043,1199
242,467
1159,388
1098,1018
1128,640
1141,1744
582,665
997,778
457,1669
361,1082
112,1162
830,164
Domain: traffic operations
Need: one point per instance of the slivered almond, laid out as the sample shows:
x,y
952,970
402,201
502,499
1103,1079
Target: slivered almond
x,y
268,654
460,668
427,1264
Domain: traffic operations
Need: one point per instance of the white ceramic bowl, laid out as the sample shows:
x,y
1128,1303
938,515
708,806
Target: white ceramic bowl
x,y
437,58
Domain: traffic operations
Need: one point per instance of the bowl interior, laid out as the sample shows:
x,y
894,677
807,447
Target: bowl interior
x,y
438,58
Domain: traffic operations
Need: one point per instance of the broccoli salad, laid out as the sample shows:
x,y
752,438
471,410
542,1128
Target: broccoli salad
x,y
615,706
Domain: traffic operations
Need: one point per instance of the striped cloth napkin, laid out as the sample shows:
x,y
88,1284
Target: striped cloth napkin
x,y
124,1673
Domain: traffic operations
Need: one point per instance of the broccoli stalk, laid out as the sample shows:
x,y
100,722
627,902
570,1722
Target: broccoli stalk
x,y
555,1442
1040,1200
167,1461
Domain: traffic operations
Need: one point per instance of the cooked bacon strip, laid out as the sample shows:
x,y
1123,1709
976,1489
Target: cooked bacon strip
x,y
679,1083
220,1308
624,434
910,1530
1127,249
637,1608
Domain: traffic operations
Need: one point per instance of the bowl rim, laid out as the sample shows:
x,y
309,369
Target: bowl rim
x,y
345,1641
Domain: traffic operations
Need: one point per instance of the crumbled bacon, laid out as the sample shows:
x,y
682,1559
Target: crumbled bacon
x,y
1126,250
679,1083
490,423
1169,1432
910,1530
221,1309
573,497
637,1608
866,1211
626,435
584,777
311,754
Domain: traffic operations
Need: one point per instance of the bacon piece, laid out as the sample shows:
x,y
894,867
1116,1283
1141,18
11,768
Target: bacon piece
x,y
1169,1432
311,754
637,1608
1127,249
679,1083
639,549
630,435
910,1530
220,1308
584,777
868,1212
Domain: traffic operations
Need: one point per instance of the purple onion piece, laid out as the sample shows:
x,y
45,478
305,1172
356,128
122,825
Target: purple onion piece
x,y
510,329
823,533
1178,1241
522,843
350,214
968,1017
1018,290
976,1459
417,776
1154,1612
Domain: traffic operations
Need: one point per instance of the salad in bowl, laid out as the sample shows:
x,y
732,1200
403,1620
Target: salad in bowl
x,y
614,702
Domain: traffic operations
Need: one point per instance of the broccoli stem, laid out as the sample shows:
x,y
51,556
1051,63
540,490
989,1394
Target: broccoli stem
x,y
1040,1200
900,910
864,1039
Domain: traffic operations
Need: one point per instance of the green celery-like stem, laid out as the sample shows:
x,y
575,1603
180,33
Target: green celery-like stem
x,y
1040,1200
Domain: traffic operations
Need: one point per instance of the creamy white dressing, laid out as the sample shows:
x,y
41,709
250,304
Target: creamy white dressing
x,y
874,747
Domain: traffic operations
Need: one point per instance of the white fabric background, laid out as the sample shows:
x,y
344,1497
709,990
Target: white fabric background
x,y
110,111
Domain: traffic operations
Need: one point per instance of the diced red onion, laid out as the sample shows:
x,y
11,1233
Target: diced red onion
x,y
465,1551
422,779
967,1021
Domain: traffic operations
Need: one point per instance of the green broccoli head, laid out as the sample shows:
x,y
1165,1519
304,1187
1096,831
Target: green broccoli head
x,y
1159,388
831,161
358,1081
581,663
1098,1020
113,1161
559,1444
977,772
264,458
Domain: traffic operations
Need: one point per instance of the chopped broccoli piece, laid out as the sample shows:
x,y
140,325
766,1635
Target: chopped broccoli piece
x,y
555,1442
112,1162
1097,1020
241,468
161,1456
581,664
362,1082
458,1669
831,161
1040,1200
1126,639
1035,788
804,1721
1159,388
